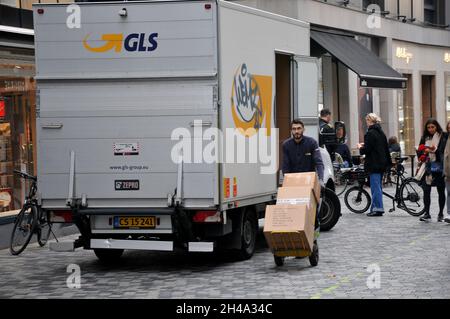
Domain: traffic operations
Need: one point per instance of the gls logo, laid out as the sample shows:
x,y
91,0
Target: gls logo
x,y
132,43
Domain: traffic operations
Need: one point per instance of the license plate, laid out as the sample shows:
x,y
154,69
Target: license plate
x,y
137,222
126,185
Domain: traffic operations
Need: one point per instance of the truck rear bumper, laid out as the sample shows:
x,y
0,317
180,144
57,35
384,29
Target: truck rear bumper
x,y
132,244
152,245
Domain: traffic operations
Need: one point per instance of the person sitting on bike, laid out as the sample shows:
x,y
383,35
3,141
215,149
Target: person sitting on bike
x,y
342,149
431,157
376,162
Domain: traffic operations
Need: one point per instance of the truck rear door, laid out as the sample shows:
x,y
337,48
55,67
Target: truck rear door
x,y
306,93
111,95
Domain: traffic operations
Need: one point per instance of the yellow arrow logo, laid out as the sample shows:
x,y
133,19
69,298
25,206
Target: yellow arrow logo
x,y
112,41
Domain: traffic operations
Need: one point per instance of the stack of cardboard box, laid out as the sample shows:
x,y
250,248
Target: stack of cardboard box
x,y
289,225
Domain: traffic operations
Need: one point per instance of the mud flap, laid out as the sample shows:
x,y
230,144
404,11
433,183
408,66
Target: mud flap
x,y
233,240
182,227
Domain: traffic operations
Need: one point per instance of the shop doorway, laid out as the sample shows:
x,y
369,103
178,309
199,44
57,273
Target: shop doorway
x,y
428,98
283,100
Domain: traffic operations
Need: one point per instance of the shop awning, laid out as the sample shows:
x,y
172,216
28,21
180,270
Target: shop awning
x,y
372,71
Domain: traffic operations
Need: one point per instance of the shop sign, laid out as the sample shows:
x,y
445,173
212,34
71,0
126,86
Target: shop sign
x,y
7,86
403,54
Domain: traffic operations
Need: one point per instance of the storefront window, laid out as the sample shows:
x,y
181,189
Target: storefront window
x,y
406,119
17,134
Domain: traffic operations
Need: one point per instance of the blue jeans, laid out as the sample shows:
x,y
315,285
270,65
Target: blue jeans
x,y
377,192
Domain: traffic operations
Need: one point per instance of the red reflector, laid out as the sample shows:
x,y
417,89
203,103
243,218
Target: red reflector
x,y
2,108
202,217
40,11
64,216
207,6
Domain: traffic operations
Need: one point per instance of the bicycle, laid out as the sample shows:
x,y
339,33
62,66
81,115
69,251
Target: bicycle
x,y
30,220
408,192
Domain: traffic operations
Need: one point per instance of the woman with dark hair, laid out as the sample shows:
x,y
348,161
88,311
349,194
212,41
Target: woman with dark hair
x,y
431,154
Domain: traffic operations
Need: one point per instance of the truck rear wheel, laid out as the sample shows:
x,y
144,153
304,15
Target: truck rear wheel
x,y
108,255
330,211
248,235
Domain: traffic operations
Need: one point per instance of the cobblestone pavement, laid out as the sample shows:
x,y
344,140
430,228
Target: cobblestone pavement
x,y
413,259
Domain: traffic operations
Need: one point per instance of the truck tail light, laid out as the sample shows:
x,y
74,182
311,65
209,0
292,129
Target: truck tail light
x,y
207,216
61,216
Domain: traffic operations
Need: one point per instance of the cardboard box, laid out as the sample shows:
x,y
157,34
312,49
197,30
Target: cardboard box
x,y
309,179
289,227
297,196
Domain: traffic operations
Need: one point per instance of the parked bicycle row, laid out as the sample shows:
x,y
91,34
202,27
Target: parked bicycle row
x,y
380,166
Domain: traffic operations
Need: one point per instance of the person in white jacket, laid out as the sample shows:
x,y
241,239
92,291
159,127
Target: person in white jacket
x,y
447,172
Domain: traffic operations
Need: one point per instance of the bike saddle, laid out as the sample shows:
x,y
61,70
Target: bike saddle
x,y
401,159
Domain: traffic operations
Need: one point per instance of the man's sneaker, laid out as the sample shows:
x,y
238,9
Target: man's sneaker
x,y
425,218
447,219
440,218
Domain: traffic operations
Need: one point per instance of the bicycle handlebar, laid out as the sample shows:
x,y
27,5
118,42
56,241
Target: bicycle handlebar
x,y
25,175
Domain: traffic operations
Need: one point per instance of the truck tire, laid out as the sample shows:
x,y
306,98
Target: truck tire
x,y
330,211
249,231
108,255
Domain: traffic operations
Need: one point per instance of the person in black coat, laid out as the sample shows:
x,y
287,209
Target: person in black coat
x,y
376,162
325,128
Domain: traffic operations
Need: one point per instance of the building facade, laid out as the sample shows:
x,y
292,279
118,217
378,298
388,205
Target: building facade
x,y
412,37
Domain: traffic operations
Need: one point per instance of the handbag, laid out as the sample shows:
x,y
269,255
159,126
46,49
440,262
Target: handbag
x,y
435,167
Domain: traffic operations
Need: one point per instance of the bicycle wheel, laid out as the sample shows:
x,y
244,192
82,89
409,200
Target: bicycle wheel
x,y
24,227
411,196
357,200
44,228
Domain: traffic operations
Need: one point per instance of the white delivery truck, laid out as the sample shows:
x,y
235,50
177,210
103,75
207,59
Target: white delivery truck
x,y
146,111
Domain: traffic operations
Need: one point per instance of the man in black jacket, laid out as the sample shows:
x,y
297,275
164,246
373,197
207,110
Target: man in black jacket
x,y
376,162
301,153
326,128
